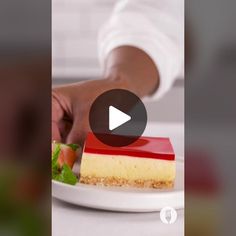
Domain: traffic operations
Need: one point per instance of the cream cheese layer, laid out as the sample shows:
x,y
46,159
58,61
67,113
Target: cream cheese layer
x,y
132,168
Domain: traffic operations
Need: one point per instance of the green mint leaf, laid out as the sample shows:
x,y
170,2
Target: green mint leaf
x,y
55,173
55,167
64,174
58,177
55,156
67,175
73,146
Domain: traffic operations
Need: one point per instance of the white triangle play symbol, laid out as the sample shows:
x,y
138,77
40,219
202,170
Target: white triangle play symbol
x,y
117,118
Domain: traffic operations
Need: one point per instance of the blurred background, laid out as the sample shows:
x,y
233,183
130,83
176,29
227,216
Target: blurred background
x,y
25,103
25,115
75,26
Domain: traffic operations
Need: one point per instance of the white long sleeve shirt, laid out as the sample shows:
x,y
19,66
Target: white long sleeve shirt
x,y
154,26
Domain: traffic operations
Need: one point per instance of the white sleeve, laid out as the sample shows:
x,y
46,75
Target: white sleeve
x,y
154,26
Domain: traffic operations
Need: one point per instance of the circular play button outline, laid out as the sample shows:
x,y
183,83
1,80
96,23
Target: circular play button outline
x,y
117,117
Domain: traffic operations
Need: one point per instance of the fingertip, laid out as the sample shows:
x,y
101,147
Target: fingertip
x,y
55,133
75,136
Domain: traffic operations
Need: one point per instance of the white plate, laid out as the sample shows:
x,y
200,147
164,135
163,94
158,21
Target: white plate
x,y
123,199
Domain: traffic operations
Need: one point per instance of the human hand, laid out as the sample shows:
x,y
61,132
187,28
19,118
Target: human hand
x,y
126,68
71,105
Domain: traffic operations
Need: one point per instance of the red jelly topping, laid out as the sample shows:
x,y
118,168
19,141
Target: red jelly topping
x,y
145,147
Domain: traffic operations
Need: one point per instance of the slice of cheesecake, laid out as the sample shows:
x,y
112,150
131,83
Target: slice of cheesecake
x,y
148,162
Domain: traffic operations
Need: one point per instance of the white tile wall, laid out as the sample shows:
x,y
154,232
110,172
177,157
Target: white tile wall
x,y
75,24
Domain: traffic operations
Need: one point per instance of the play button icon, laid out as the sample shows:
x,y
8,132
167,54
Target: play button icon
x,y
117,117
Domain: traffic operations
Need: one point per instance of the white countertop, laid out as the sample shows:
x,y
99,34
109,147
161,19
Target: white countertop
x,y
68,220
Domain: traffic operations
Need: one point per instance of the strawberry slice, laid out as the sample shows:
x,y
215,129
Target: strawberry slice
x,y
67,154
